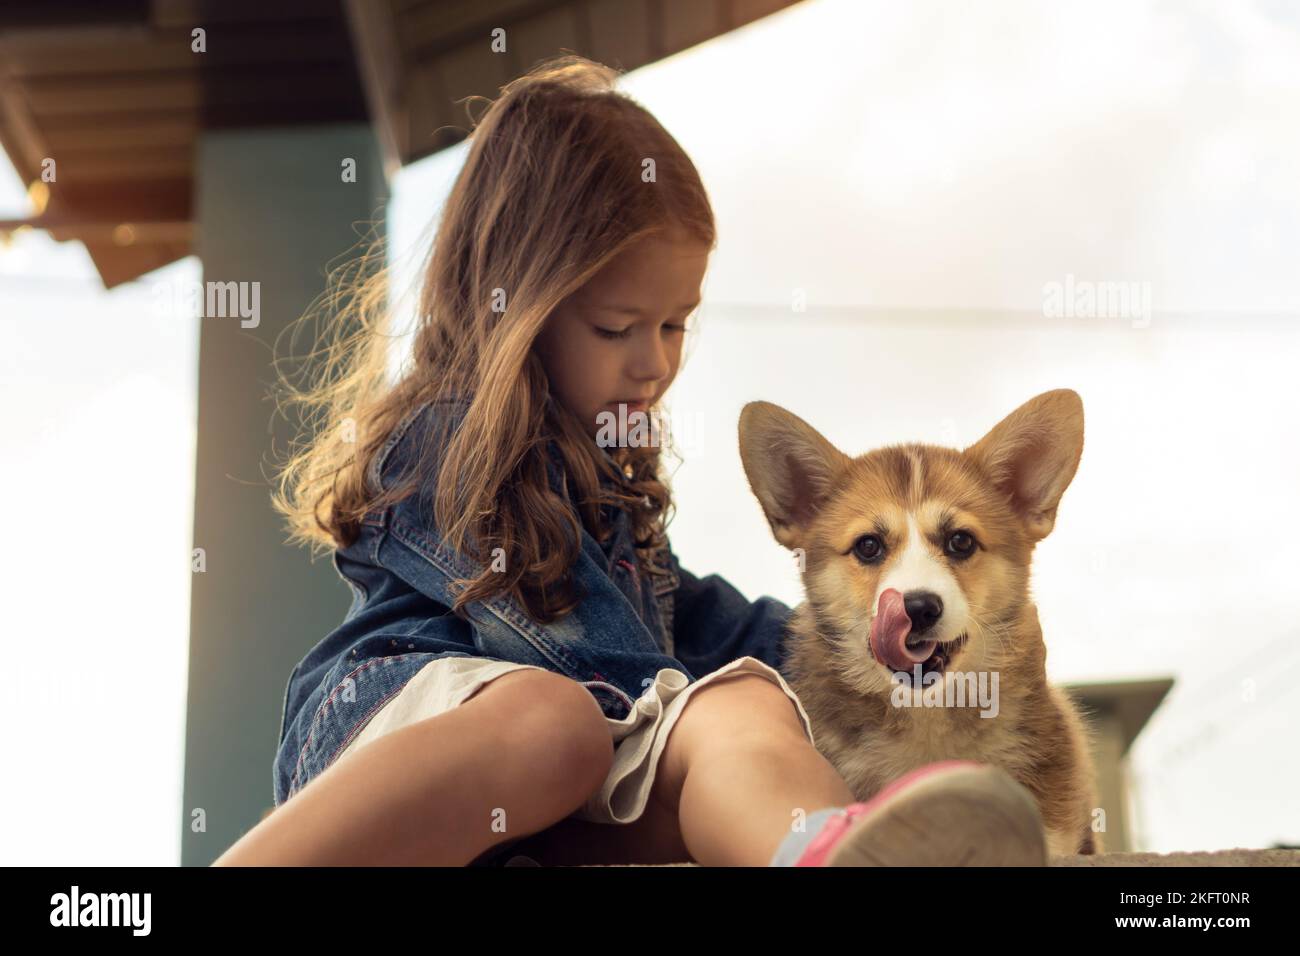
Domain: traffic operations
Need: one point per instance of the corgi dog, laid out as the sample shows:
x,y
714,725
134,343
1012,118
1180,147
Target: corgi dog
x,y
917,640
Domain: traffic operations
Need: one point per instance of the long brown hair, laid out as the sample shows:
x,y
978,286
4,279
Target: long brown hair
x,y
551,190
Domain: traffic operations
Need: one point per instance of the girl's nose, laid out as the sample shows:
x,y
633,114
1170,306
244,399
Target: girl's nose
x,y
652,363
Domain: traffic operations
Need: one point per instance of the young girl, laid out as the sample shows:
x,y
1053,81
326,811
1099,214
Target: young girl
x,y
525,665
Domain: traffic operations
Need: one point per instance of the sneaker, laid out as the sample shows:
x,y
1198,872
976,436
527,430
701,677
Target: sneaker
x,y
951,813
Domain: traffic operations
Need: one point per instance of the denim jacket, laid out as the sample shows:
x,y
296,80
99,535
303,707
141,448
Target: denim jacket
x,y
623,632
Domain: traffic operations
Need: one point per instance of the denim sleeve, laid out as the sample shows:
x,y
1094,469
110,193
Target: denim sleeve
x,y
714,624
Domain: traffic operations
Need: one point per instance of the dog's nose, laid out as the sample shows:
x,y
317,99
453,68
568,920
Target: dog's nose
x,y
924,608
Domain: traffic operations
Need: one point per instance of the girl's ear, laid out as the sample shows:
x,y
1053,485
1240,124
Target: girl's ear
x,y
1032,455
790,467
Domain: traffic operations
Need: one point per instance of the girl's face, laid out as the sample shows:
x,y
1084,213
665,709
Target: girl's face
x,y
619,337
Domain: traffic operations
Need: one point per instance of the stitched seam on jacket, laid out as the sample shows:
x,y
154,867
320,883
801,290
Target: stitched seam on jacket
x,y
366,718
318,717
284,710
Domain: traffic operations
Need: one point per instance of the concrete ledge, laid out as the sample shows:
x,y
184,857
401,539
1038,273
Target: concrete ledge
x,y
1238,857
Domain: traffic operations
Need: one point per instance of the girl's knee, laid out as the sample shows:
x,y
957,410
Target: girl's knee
x,y
738,710
746,689
741,702
553,727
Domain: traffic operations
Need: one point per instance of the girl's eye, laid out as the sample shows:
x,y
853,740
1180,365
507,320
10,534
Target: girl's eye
x,y
616,334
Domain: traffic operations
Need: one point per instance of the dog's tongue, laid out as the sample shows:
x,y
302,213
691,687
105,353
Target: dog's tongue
x,y
889,630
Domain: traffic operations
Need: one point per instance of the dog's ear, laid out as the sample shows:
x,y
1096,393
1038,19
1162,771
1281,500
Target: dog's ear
x,y
790,466
1032,456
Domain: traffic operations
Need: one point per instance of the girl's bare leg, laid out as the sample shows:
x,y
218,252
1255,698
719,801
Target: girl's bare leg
x,y
529,748
737,766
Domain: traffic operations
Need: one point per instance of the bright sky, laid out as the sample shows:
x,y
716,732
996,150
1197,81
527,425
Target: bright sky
x,y
917,172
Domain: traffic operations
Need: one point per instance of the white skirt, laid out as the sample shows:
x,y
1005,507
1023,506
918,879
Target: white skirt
x,y
639,738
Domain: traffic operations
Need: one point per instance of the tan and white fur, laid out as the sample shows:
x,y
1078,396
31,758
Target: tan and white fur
x,y
916,501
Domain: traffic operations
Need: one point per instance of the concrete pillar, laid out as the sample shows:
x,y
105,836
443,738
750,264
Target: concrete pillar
x,y
272,208
1112,781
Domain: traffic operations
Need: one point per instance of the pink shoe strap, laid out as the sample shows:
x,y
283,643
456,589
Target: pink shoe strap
x,y
836,826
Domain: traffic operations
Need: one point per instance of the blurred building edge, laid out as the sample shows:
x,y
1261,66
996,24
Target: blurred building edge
x,y
1116,712
117,95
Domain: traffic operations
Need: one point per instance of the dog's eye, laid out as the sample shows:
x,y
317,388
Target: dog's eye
x,y
961,544
868,548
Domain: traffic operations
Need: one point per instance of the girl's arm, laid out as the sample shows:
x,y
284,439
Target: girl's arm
x,y
713,623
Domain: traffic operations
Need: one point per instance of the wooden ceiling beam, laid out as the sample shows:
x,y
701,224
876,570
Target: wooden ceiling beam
x,y
191,90
19,134
201,13
99,131
434,29
120,232
105,166
31,58
164,199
